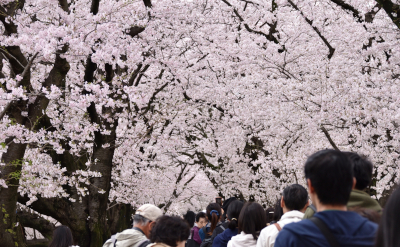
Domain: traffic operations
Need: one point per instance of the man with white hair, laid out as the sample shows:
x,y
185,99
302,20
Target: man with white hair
x,y
138,236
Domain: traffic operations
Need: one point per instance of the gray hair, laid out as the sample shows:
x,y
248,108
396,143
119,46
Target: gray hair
x,y
140,220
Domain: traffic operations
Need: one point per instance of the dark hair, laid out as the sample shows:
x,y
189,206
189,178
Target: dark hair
x,y
295,197
213,218
331,175
389,226
226,204
233,213
200,215
252,219
269,213
362,169
278,211
62,237
169,230
190,217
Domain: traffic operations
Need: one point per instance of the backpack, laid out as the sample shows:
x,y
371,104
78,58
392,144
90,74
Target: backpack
x,y
190,242
142,243
208,241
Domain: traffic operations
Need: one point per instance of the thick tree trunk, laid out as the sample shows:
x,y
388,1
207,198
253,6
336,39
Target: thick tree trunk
x,y
8,196
13,158
100,187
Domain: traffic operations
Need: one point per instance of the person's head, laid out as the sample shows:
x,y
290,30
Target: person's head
x,y
201,219
145,217
294,197
252,219
62,237
190,217
362,169
278,211
226,205
390,223
170,230
269,212
213,212
233,213
329,175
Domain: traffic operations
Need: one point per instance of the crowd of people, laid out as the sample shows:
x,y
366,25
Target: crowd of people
x,y
341,214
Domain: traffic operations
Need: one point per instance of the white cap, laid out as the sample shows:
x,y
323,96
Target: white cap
x,y
149,211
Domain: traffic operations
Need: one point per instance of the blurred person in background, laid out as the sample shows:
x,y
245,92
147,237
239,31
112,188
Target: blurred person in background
x,y
213,214
62,237
233,213
252,220
388,231
194,239
294,202
143,221
169,231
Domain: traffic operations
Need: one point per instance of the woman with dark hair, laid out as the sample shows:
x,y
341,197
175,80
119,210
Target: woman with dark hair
x,y
194,239
169,231
269,212
278,212
190,217
388,231
213,213
225,223
233,213
252,220
62,237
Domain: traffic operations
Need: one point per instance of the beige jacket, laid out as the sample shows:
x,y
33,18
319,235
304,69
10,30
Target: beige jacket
x,y
158,245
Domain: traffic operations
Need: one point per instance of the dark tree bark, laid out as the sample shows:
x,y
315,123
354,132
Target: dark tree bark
x,y
35,221
392,10
89,217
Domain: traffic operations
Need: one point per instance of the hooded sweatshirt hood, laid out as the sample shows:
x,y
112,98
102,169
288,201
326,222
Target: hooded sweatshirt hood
x,y
361,199
242,240
127,238
349,228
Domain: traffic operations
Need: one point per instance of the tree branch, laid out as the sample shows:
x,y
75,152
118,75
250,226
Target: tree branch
x,y
392,9
35,221
64,5
329,138
350,8
24,73
331,49
94,8
269,36
147,3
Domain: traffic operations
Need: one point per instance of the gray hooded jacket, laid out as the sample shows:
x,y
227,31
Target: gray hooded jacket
x,y
128,238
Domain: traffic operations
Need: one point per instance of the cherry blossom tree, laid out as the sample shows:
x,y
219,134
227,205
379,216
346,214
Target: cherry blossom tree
x,y
106,105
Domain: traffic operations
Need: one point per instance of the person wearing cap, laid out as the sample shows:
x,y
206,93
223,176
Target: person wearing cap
x,y
143,220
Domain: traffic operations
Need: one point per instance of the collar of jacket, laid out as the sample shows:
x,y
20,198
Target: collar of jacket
x,y
138,229
292,214
160,244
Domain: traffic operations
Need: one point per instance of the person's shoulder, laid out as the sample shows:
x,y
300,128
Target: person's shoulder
x,y
369,225
305,223
226,224
218,240
287,237
269,230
